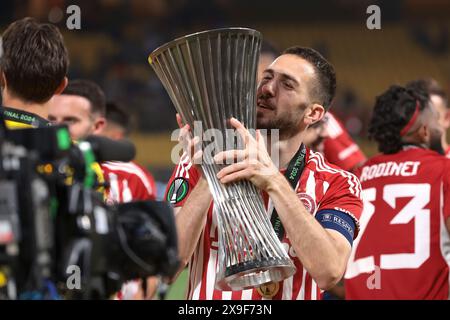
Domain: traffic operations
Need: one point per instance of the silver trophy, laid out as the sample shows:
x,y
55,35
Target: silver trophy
x,y
210,77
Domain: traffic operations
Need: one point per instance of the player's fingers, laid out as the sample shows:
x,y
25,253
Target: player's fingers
x,y
197,158
242,130
230,156
195,143
179,121
232,168
260,140
184,133
194,146
237,175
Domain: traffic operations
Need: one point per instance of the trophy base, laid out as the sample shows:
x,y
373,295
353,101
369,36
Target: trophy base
x,y
247,275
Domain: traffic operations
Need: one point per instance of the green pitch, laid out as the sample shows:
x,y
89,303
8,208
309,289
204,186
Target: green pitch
x,y
177,290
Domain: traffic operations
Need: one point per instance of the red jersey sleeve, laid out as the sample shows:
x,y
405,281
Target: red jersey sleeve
x,y
183,180
338,147
344,194
144,187
128,182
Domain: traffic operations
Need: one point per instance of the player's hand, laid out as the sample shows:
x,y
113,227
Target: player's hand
x,y
191,145
252,163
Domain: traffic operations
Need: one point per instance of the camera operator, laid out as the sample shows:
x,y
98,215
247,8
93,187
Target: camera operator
x,y
82,107
33,69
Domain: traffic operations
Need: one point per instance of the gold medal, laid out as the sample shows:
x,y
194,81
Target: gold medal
x,y
268,290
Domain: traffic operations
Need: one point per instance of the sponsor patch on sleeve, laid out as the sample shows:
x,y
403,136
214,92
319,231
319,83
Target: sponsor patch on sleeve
x,y
339,221
178,190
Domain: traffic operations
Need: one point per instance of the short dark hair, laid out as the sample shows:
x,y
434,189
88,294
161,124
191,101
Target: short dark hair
x,y
89,90
431,86
117,115
34,60
325,74
393,110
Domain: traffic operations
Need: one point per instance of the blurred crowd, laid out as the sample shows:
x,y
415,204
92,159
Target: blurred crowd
x,y
112,47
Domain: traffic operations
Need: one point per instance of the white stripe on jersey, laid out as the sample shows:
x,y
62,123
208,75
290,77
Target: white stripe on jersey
x,y
180,164
247,294
113,188
212,262
183,167
198,268
181,171
177,172
354,185
301,293
311,186
126,192
130,167
325,186
351,178
227,295
287,288
313,290
211,274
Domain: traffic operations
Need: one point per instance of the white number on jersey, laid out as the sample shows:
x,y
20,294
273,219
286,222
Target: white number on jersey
x,y
414,209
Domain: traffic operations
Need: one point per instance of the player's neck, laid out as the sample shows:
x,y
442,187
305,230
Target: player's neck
x,y
11,101
286,148
444,142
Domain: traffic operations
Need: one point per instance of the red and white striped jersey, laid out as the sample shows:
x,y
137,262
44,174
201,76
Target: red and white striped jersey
x,y
338,147
447,152
403,251
128,182
321,186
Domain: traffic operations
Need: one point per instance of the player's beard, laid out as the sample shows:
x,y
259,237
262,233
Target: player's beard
x,y
288,123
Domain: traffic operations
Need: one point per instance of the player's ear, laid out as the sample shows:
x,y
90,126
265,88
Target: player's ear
x,y
62,86
447,119
423,134
99,125
314,114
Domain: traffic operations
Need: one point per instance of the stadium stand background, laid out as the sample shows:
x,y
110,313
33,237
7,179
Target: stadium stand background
x,y
116,37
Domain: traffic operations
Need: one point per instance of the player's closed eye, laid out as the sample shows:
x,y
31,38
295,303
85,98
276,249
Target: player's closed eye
x,y
288,85
70,121
266,78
